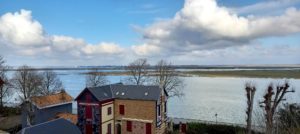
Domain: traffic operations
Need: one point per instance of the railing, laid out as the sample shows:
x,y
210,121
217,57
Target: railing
x,y
176,120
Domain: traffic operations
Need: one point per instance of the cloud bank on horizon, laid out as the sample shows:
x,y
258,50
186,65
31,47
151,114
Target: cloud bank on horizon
x,y
202,32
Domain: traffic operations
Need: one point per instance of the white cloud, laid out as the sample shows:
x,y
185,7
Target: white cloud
x,y
23,36
266,7
244,54
102,48
66,43
203,24
146,50
202,32
20,29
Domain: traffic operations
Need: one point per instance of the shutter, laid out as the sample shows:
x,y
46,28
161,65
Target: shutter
x,y
148,128
109,128
121,109
129,126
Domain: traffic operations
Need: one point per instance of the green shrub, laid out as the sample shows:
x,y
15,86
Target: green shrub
x,y
200,128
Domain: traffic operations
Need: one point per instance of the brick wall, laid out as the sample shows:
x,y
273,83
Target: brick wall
x,y
137,109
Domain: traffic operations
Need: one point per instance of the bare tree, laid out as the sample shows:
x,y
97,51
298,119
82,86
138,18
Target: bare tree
x,y
50,83
5,87
166,77
95,79
273,97
138,71
250,92
27,82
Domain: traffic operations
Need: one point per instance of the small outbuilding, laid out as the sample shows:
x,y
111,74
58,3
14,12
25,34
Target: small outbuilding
x,y
45,108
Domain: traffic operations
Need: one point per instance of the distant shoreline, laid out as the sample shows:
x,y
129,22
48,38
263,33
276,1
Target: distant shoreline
x,y
249,73
295,74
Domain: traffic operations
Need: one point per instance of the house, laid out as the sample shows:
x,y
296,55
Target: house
x,y
118,108
45,108
57,126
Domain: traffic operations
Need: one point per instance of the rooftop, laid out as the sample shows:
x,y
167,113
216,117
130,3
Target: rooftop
x,y
67,116
120,91
51,100
57,126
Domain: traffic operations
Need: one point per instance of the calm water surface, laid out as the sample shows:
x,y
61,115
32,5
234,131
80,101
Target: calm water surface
x,y
204,96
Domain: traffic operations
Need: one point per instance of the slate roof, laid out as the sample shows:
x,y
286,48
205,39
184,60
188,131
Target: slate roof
x,y
57,126
51,100
135,92
120,91
102,92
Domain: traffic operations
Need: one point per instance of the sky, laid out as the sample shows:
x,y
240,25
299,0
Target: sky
x,y
116,32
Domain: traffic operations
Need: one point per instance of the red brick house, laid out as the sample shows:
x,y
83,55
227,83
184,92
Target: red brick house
x,y
118,108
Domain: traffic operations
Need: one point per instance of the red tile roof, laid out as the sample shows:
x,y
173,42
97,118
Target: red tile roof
x,y
67,116
51,100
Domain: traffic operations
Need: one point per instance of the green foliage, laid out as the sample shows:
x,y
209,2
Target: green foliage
x,y
199,128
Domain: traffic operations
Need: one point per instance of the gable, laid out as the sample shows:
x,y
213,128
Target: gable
x,y
82,96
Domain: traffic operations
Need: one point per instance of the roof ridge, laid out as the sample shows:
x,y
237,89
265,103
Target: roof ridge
x,y
49,95
43,123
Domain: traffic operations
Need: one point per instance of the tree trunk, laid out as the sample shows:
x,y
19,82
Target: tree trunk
x,y
269,126
249,121
1,102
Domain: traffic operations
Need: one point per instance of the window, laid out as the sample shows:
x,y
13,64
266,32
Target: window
x,y
109,128
158,110
121,109
129,126
165,106
148,128
109,111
